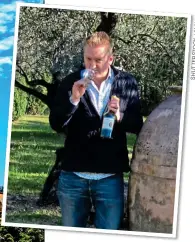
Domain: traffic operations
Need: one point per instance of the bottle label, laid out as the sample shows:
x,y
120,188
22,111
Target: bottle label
x,y
107,127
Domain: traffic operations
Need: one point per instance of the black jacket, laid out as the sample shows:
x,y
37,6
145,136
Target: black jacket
x,y
84,149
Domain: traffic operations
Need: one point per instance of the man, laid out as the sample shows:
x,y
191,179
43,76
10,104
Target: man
x,y
92,169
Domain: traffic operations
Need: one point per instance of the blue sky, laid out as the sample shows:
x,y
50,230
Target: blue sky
x,y
7,23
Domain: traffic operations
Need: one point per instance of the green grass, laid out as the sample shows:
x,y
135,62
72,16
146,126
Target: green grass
x,y
38,217
32,155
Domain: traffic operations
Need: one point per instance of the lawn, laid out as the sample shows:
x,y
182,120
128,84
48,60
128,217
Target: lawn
x,y
32,155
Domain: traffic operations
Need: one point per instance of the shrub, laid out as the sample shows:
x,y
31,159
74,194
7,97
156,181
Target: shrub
x,y
20,104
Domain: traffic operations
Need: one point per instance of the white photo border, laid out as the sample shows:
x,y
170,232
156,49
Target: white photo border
x,y
179,158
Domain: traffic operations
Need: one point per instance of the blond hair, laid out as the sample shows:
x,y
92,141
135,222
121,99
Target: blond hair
x,y
99,38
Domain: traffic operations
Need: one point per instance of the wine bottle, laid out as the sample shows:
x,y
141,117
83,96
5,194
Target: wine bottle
x,y
108,123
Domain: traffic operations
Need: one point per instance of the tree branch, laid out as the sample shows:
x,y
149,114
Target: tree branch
x,y
128,42
22,72
108,22
39,82
36,82
33,92
153,28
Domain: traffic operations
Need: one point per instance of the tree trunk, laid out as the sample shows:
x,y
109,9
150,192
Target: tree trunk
x,y
108,22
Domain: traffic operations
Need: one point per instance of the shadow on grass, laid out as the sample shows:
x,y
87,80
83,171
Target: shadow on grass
x,y
25,184
18,135
30,218
37,147
32,165
35,122
32,125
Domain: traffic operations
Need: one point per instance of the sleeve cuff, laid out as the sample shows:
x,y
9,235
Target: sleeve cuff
x,y
74,103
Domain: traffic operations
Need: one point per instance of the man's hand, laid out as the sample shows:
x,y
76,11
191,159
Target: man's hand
x,y
114,106
78,90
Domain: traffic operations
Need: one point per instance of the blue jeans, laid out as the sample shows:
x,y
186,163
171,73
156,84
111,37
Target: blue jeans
x,y
76,196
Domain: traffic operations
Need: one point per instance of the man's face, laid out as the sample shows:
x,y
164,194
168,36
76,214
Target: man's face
x,y
99,59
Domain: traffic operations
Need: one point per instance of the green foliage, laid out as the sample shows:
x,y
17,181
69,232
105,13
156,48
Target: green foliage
x,y
150,47
35,106
31,235
9,238
12,234
20,104
27,104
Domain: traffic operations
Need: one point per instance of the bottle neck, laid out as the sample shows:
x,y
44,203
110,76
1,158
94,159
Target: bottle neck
x,y
109,112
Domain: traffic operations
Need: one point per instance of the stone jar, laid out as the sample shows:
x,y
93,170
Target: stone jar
x,y
153,169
